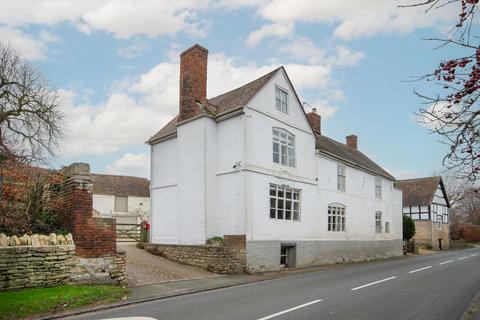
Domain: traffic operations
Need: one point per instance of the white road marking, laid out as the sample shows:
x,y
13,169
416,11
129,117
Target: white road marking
x,y
473,255
461,258
425,268
289,310
445,262
372,283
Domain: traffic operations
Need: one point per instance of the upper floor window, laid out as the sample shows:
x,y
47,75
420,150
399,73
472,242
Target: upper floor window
x,y
341,178
336,217
120,204
283,147
281,99
378,222
284,203
378,188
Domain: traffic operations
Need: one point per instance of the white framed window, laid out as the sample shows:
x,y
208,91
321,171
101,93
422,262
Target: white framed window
x,y
121,204
341,178
387,227
281,100
336,217
378,188
283,147
284,203
378,222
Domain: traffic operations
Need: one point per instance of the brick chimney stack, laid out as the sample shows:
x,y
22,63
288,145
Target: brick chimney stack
x,y
352,141
315,121
193,81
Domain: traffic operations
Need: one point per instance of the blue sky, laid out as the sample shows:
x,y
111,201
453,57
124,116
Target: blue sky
x,y
115,64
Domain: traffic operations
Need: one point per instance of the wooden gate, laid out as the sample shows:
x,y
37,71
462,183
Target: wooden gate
x,y
128,232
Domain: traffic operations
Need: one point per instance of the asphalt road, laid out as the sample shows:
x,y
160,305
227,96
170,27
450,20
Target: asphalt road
x,y
438,286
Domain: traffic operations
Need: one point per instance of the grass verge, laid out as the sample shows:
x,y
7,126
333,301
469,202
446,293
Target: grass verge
x,y
25,303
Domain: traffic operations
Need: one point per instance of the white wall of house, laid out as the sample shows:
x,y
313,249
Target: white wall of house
x,y
197,193
164,192
105,204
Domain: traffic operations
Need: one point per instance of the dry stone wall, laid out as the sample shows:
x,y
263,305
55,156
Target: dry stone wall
x,y
29,266
210,258
44,261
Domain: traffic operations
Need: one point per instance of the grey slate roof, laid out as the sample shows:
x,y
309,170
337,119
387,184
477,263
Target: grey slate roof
x,y
419,192
237,99
344,152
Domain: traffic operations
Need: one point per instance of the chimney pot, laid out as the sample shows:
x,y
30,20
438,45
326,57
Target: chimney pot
x,y
352,141
193,81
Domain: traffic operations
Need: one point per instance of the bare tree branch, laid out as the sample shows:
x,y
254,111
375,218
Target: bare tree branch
x,y
30,117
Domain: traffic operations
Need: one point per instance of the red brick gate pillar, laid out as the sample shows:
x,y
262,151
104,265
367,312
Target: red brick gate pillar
x,y
93,237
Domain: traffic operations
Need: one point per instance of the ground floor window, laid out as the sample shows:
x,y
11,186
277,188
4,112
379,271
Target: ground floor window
x,y
284,203
387,227
378,222
336,217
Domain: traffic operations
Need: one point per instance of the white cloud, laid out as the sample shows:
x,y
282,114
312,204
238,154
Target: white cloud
x,y
353,18
325,108
436,115
131,164
107,128
127,18
121,18
346,57
278,30
27,46
133,50
303,49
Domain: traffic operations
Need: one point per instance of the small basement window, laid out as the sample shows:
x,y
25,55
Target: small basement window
x,y
288,255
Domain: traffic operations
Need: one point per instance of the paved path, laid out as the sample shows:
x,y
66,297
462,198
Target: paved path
x,y
438,286
146,268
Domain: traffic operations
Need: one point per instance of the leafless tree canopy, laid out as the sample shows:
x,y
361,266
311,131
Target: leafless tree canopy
x,y
30,118
453,111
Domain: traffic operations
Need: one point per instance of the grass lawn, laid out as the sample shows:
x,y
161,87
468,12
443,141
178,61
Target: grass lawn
x,y
28,302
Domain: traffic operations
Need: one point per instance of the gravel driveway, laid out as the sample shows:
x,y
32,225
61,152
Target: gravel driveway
x,y
146,268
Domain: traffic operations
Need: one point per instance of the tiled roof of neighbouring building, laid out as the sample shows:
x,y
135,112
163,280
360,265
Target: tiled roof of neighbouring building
x,y
120,185
238,98
418,192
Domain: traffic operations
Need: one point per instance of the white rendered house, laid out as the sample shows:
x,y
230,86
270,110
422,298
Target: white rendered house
x,y
125,198
252,162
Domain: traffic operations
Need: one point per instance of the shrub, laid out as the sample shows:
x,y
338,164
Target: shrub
x,y
470,232
408,228
31,199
